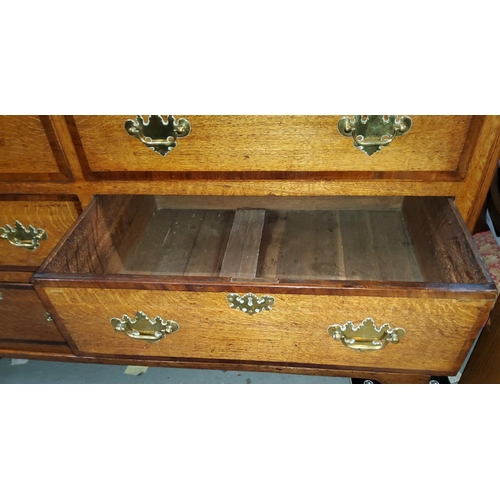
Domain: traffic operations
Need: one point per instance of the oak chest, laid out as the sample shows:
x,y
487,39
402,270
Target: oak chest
x,y
334,245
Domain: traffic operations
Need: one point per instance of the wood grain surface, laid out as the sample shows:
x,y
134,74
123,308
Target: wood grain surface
x,y
469,180
55,217
131,235
63,354
280,202
15,276
23,317
288,156
443,249
294,331
482,160
271,143
62,132
242,251
242,187
29,150
36,350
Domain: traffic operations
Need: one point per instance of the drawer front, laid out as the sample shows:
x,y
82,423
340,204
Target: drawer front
x,y
258,145
24,318
29,150
53,217
294,331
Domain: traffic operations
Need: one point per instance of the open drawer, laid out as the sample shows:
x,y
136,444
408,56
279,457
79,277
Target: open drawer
x,y
346,282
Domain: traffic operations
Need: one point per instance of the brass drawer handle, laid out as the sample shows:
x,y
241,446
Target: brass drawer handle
x,y
373,132
21,237
250,303
143,328
366,336
157,134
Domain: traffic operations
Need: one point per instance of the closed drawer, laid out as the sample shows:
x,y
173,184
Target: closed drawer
x,y
50,220
30,150
268,147
293,332
406,262
24,318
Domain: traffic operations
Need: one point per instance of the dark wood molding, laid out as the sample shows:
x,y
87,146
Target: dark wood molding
x,y
57,151
394,376
55,317
39,197
352,288
30,342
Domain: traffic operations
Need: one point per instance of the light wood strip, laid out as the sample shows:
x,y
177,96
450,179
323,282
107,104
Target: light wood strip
x,y
279,203
283,188
242,252
272,235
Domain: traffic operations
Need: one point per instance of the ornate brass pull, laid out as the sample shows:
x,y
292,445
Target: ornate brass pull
x,y
250,303
19,236
143,328
373,132
366,336
157,134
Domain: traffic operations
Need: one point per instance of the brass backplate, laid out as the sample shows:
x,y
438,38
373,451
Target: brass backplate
x,y
143,328
373,132
158,134
21,237
250,303
366,336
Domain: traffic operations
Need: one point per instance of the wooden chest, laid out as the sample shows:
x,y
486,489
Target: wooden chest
x,y
263,281
271,243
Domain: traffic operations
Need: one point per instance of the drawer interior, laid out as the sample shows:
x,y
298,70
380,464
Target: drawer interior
x,y
272,239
